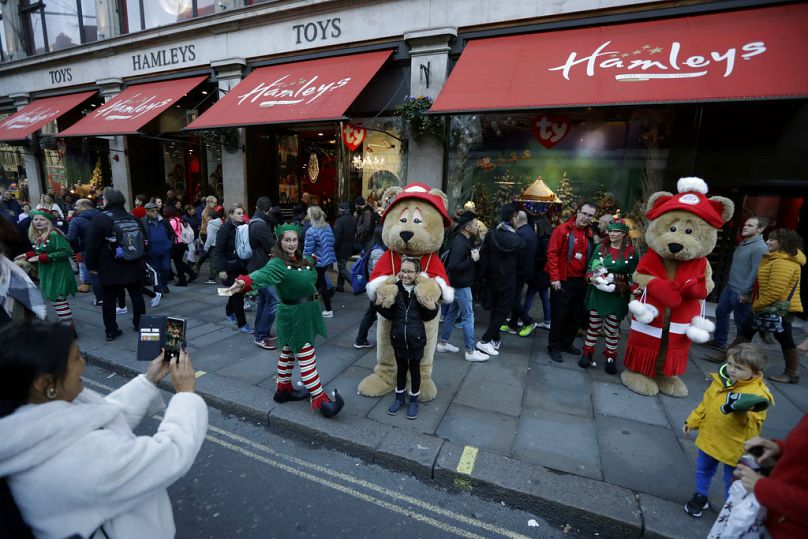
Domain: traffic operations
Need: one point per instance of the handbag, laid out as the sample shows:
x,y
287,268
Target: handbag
x,y
149,276
741,517
770,318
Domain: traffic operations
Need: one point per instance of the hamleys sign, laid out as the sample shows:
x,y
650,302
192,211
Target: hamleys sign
x,y
745,54
28,118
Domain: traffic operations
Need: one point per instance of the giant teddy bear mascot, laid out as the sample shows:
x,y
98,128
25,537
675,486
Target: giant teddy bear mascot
x,y
412,225
673,279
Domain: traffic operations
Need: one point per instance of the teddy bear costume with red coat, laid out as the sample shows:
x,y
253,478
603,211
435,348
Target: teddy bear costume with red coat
x,y
683,294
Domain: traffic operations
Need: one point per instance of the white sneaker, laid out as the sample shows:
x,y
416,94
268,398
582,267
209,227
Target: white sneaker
x,y
156,299
328,314
121,310
476,356
543,325
487,347
447,347
496,344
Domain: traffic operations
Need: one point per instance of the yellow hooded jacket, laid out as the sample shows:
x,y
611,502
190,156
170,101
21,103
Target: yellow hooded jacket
x,y
778,274
722,435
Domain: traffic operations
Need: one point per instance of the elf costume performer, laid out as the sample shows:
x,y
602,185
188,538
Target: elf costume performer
x,y
609,274
298,321
51,252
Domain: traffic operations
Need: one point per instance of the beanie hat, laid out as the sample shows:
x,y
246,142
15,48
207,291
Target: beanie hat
x,y
691,198
423,192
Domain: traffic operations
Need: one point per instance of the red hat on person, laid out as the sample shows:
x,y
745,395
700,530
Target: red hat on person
x,y
691,198
423,192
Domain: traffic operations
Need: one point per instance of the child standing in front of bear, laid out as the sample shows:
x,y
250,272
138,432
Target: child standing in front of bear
x,y
408,335
732,411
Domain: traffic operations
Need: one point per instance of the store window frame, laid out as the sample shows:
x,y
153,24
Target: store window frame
x,y
30,9
124,19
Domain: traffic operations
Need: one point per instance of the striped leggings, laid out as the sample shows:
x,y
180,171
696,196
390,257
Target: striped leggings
x,y
308,368
63,310
610,325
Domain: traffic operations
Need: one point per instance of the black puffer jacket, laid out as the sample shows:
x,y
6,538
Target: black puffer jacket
x,y
500,258
408,318
344,234
225,257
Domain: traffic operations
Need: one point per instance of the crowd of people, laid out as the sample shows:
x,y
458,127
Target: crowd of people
x,y
581,270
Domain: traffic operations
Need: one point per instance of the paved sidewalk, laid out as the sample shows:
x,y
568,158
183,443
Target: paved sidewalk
x,y
551,438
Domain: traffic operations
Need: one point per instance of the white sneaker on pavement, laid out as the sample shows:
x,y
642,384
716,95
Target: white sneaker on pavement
x,y
121,310
543,325
476,356
328,314
156,299
447,347
487,348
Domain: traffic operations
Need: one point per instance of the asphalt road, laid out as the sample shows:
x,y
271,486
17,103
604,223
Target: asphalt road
x,y
249,482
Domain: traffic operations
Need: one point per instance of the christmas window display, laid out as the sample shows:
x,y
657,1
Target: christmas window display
x,y
377,156
611,156
75,167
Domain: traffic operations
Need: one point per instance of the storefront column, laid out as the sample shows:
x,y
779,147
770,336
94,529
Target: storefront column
x,y
234,162
30,157
429,68
118,155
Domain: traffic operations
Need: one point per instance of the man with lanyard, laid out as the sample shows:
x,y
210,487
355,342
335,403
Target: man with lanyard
x,y
736,296
571,245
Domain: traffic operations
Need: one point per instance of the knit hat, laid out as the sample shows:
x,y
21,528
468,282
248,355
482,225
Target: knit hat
x,y
692,199
420,191
618,224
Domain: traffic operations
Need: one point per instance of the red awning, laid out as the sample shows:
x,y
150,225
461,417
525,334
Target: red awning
x,y
307,91
748,54
37,113
133,108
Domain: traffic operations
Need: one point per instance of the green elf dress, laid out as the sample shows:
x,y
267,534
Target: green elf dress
x,y
621,263
56,278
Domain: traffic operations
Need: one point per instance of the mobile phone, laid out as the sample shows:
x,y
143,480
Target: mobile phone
x,y
174,338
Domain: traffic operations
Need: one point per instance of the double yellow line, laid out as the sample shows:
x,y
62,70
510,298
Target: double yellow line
x,y
366,491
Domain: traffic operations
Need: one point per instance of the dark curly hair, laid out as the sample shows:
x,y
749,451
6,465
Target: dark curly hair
x,y
789,240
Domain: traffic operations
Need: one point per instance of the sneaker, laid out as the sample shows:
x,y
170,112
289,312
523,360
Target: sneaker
x,y
121,310
210,281
365,344
447,347
509,329
476,356
696,505
231,319
459,324
246,329
543,325
156,300
267,344
84,288
248,305
98,303
487,348
496,344
328,314
527,330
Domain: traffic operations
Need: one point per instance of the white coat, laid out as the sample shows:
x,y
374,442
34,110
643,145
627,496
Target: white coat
x,y
75,466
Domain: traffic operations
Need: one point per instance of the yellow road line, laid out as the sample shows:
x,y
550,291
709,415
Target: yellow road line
x,y
353,480
467,460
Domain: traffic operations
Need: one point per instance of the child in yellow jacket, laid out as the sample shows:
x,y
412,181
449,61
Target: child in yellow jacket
x,y
732,411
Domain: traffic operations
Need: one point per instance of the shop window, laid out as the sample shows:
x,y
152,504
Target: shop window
x,y
379,161
56,25
609,156
12,168
145,14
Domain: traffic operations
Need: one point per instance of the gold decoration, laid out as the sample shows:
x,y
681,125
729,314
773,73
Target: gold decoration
x,y
314,167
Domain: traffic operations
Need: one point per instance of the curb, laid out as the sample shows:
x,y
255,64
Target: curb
x,y
591,506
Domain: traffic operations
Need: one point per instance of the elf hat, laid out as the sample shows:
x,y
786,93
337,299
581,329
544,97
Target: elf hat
x,y
691,198
43,213
618,224
420,191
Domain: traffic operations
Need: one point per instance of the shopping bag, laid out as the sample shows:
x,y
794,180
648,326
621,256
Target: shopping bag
x,y
741,517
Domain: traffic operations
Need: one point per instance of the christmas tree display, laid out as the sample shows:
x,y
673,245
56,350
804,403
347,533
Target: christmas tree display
x,y
565,193
97,178
605,201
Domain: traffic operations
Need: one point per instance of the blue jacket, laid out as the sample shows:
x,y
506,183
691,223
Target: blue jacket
x,y
160,242
77,231
320,243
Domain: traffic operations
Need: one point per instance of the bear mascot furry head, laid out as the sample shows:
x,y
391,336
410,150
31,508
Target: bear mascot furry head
x,y
673,279
412,225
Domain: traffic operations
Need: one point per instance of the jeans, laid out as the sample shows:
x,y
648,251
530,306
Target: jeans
x,y
110,297
95,284
364,325
343,274
706,467
544,295
323,286
461,305
785,337
265,310
84,273
161,264
728,302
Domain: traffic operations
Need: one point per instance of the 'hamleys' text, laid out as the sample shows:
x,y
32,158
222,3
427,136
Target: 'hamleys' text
x,y
133,107
291,93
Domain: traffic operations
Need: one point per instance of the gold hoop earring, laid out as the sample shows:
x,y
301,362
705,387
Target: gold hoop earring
x,y
50,393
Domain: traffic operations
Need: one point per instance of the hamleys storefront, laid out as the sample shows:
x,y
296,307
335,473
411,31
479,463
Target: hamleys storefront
x,y
614,112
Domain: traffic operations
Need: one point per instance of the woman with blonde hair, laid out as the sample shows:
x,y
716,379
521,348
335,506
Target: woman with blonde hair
x,y
319,245
51,252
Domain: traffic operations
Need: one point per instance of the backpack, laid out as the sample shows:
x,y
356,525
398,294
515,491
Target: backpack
x,y
243,249
128,240
186,233
360,272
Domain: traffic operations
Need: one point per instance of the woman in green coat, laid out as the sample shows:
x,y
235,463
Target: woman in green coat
x,y
51,252
609,273
298,320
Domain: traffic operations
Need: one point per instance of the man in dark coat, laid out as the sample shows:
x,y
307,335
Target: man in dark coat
x,y
262,239
499,265
344,234
77,232
526,270
115,274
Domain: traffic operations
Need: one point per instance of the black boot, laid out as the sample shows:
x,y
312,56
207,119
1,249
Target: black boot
x,y
397,404
412,407
332,408
586,360
294,395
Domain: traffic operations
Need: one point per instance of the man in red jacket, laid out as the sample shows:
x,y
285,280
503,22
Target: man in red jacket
x,y
567,254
